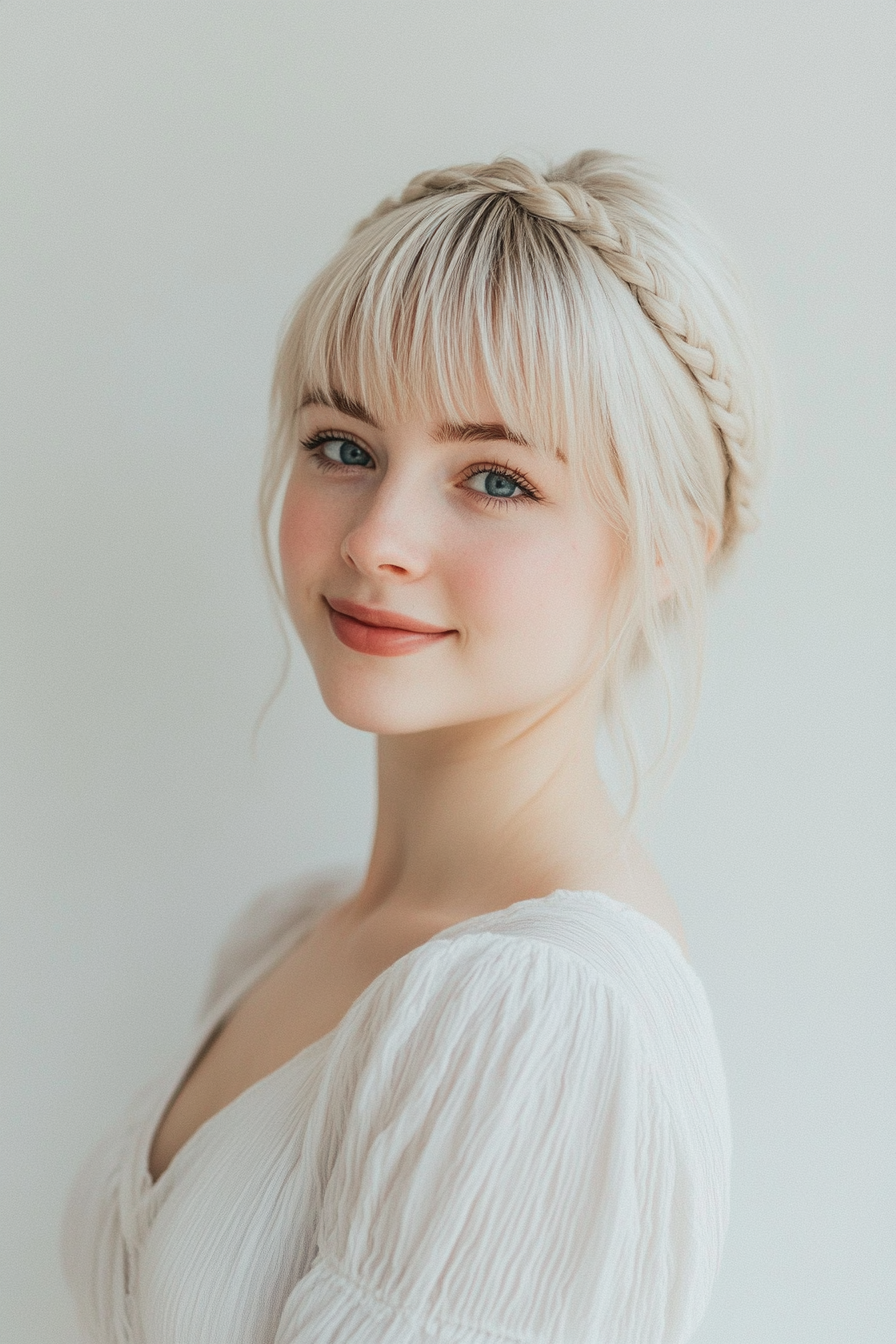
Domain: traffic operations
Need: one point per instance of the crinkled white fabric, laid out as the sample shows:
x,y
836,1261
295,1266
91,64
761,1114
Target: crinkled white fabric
x,y
518,1132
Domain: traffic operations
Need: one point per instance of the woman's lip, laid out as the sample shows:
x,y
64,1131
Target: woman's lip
x,y
379,616
374,630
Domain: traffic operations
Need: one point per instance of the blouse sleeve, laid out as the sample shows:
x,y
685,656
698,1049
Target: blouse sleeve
x,y
510,1168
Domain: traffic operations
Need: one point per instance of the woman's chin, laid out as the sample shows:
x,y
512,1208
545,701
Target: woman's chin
x,y
383,711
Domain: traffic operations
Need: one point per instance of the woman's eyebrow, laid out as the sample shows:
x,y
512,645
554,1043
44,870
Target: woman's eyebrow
x,y
449,432
337,402
477,433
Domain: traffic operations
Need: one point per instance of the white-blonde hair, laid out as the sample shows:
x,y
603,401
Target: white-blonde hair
x,y
604,323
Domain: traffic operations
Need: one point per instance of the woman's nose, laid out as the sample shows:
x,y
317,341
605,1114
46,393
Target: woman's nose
x,y
391,536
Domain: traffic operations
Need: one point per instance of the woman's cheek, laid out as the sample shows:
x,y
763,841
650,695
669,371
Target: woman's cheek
x,y
510,582
306,532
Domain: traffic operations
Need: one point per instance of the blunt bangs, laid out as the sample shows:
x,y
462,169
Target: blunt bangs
x,y
459,299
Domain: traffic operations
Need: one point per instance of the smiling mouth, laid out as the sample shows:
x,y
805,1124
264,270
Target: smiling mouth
x,y
377,631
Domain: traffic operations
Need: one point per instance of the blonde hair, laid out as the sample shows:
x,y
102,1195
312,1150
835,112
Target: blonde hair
x,y
603,321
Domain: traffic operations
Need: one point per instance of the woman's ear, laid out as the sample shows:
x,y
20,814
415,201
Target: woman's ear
x,y
713,537
662,582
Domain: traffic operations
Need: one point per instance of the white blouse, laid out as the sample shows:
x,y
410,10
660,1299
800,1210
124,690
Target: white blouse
x,y
518,1132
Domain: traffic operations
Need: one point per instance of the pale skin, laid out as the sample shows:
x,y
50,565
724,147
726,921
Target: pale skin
x,y
488,788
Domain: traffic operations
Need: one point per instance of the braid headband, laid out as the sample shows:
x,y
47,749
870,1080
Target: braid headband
x,y
572,207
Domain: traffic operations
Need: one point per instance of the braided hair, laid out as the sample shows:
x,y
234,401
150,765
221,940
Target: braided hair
x,y
593,195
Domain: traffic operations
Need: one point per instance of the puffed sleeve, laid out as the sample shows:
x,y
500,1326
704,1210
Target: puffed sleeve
x,y
512,1166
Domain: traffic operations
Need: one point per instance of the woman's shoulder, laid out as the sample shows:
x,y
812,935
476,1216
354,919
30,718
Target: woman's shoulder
x,y
554,966
604,958
614,942
573,1003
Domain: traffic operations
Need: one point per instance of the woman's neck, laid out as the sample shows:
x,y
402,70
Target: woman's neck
x,y
476,817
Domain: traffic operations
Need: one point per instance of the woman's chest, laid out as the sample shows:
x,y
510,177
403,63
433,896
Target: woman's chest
x,y
288,1010
236,1230
295,1004
212,1250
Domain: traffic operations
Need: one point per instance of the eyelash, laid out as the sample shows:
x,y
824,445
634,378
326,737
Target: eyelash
x,y
501,469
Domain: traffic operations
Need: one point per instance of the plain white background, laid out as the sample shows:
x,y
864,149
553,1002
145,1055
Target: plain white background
x,y
174,173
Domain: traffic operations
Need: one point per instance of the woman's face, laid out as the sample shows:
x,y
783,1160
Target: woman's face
x,y
506,564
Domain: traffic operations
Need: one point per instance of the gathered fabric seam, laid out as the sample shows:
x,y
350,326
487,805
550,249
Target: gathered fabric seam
x,y
417,1313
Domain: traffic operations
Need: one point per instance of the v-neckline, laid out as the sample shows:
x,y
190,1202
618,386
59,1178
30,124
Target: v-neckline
x,y
212,1023
219,1013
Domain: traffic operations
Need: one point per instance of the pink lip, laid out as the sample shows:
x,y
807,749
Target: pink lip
x,y
380,616
378,631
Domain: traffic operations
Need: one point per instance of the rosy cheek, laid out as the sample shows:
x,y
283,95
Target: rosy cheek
x,y
544,587
306,530
509,581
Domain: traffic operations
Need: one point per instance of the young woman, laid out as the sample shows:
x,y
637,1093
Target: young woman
x,y
471,1094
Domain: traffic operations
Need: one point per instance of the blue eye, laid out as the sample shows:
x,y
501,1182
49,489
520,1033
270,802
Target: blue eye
x,y
495,483
344,451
